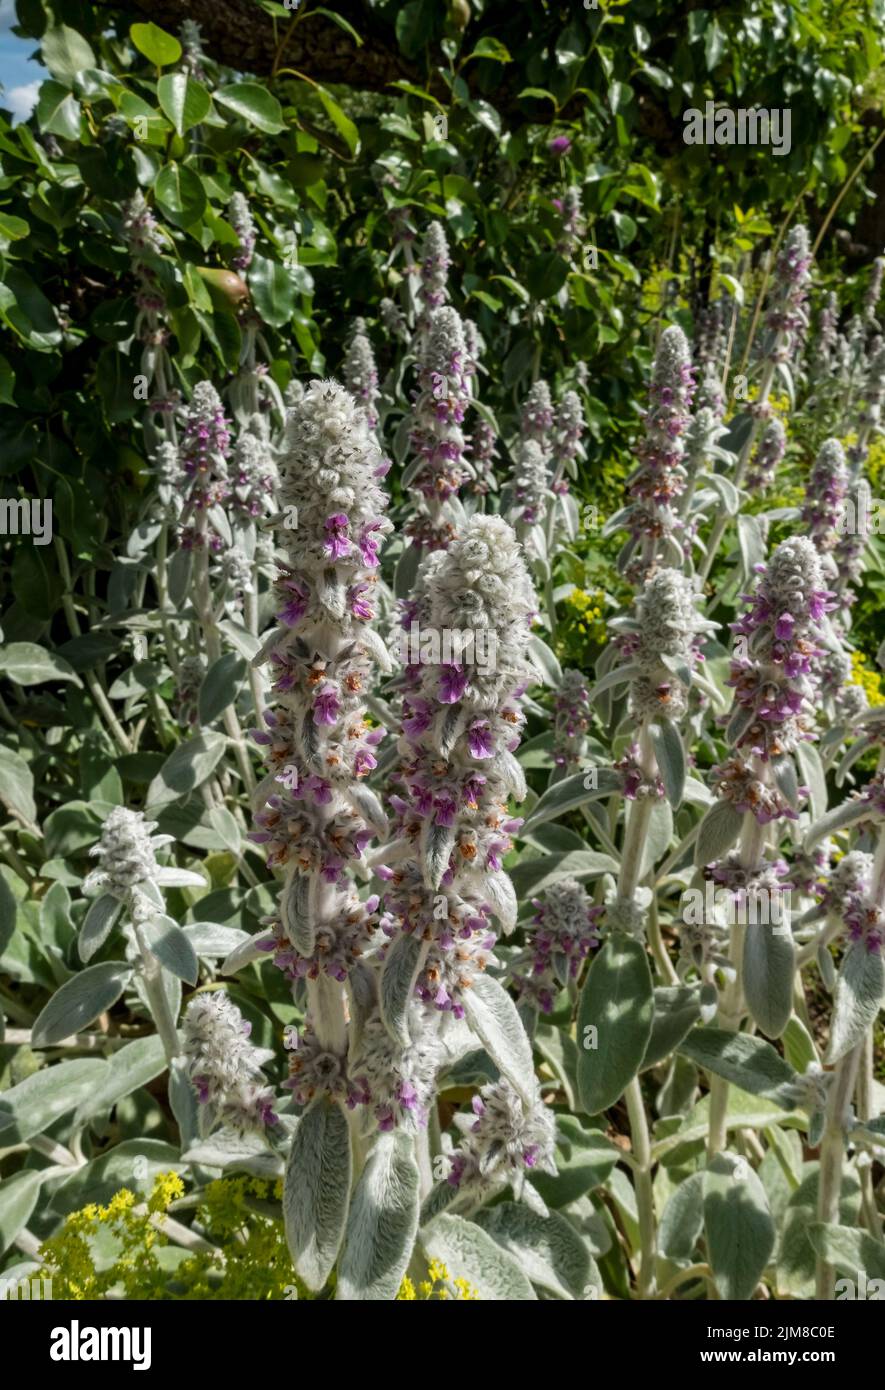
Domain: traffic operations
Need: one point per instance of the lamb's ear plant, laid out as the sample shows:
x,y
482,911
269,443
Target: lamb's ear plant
x,y
434,945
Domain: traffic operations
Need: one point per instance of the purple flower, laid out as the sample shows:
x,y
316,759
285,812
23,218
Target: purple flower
x,y
560,144
337,545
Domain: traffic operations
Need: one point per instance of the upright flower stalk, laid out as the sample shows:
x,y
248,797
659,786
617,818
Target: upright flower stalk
x,y
437,439
313,810
785,319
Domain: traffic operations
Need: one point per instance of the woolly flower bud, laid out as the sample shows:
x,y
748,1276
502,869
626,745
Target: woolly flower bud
x,y
125,854
768,454
483,452
396,1082
530,482
393,320
536,417
572,222
240,218
571,720
811,1089
435,263
774,671
563,934
849,896
140,229
484,586
666,625
502,1141
791,278
361,375
330,465
224,1067
824,495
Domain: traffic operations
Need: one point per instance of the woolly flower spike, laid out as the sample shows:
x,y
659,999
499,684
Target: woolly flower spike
x,y
774,669
502,1141
483,452
240,218
571,720
824,495
125,854
661,475
572,221
224,1067
664,634
435,263
769,452
140,228
563,933
874,289
461,725
850,897
792,276
253,475
205,441
536,417
330,465
361,375
438,413
530,482
852,535
396,1082
568,426
393,320
318,742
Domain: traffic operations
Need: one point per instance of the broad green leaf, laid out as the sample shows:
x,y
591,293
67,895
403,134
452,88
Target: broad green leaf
x,y
468,1253
8,912
738,1226
187,768
769,969
849,1250
382,1222
158,47
797,1258
569,794
396,987
683,1220
172,948
342,122
16,784
492,49
28,664
670,755
58,111
180,195
860,989
221,686
79,1002
37,1102
745,1061
18,1198
532,876
316,1191
254,103
718,831
66,53
273,290
547,1249
129,1068
584,1160
494,1018
614,1022
184,100
677,1009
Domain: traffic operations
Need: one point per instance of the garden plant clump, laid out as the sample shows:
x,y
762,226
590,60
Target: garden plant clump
x,y
442,739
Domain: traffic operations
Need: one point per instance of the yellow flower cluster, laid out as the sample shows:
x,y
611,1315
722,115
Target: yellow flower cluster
x,y
435,1288
118,1247
869,680
587,614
